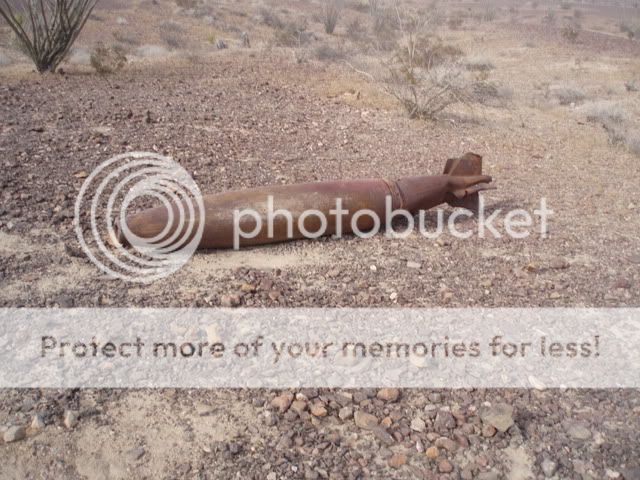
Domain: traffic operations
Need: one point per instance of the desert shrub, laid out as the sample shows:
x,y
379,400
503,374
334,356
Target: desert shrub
x,y
126,38
604,112
456,20
631,29
173,40
356,32
270,18
479,63
293,34
326,53
632,86
549,17
565,5
171,26
385,30
47,29
570,32
427,86
187,4
633,142
489,14
489,93
566,95
577,14
330,15
106,60
374,7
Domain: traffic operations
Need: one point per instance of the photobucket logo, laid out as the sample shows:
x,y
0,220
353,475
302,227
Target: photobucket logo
x,y
102,205
516,223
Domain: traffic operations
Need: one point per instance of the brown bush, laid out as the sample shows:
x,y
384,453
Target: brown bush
x,y
106,60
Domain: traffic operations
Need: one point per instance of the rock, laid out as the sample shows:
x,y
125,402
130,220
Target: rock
x,y
345,413
388,394
445,466
14,434
414,265
282,402
432,453
318,410
397,460
37,422
488,431
272,476
500,416
418,425
221,44
229,301
386,422
299,406
444,421
447,444
382,435
70,418
365,420
548,467
576,430
135,453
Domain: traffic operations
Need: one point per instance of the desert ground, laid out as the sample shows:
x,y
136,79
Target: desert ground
x,y
560,121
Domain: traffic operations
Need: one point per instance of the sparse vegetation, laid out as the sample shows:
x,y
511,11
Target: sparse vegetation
x,y
326,53
46,29
632,86
604,112
270,18
566,95
330,15
106,60
633,142
479,63
173,40
427,77
570,32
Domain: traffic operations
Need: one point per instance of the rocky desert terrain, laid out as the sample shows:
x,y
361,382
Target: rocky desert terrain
x,y
559,121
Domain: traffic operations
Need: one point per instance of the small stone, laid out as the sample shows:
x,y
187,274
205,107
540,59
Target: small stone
x,y
445,466
418,425
488,431
345,413
365,420
14,434
272,476
611,473
70,418
499,415
397,460
282,402
382,435
299,406
37,422
318,410
388,394
275,295
220,44
393,296
555,296
622,283
414,265
386,422
447,444
432,453
548,467
577,430
444,421
247,288
135,453
229,301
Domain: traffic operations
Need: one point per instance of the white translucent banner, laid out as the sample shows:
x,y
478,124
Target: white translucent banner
x,y
348,348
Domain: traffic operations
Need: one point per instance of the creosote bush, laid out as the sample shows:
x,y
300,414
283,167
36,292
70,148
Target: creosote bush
x,y
46,29
427,77
106,60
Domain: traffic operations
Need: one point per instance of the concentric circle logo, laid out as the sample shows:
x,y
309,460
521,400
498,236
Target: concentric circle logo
x,y
113,189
